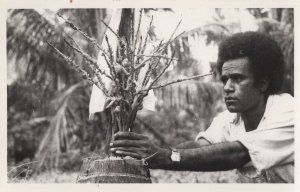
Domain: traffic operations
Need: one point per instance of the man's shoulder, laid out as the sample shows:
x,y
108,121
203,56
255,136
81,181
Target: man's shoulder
x,y
280,103
282,98
280,109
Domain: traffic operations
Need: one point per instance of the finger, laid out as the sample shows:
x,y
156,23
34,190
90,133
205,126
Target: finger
x,y
122,153
127,143
129,135
131,154
128,149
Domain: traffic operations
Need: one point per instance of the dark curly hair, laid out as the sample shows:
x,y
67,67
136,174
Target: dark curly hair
x,y
264,54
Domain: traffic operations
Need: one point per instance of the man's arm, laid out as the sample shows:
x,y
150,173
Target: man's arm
x,y
216,157
193,144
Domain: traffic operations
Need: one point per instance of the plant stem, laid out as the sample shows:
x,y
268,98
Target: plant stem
x,y
79,69
74,27
176,81
91,60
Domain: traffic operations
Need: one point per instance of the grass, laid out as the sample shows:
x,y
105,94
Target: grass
x,y
157,176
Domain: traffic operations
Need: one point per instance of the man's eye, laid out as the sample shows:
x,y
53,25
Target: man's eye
x,y
238,79
224,80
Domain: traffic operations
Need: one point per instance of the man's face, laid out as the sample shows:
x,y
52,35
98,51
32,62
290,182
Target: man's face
x,y
240,93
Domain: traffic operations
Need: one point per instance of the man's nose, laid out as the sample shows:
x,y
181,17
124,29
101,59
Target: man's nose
x,y
228,87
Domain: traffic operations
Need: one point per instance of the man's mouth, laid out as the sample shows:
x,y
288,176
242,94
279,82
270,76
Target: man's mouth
x,y
230,99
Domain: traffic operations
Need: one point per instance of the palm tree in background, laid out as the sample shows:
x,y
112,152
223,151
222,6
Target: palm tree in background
x,y
47,101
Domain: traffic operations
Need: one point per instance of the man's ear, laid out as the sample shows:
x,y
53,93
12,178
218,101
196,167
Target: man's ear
x,y
264,84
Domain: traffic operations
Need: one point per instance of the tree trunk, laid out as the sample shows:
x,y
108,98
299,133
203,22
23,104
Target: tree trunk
x,y
114,170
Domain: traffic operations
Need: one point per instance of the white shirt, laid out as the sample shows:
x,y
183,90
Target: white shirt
x,y
271,145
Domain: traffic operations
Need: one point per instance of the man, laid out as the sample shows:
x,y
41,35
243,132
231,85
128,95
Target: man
x,y
255,135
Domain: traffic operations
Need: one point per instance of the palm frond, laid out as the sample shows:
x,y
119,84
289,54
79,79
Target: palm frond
x,y
47,82
196,96
56,138
27,33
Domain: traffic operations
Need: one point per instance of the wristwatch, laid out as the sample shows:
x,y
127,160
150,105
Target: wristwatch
x,y
175,156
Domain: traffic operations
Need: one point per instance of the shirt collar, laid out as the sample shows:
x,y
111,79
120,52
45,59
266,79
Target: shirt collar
x,y
270,102
235,118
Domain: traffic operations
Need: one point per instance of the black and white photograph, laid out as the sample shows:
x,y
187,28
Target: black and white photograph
x,y
150,95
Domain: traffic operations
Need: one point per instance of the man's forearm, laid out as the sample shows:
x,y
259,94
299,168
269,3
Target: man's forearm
x,y
217,157
193,144
195,156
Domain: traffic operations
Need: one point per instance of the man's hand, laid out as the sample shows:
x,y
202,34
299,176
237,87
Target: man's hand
x,y
216,157
140,147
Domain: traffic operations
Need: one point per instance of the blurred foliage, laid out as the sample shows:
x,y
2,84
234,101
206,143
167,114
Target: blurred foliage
x,y
279,23
47,102
46,88
27,33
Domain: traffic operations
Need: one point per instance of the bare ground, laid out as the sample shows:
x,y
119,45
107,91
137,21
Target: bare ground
x,y
157,176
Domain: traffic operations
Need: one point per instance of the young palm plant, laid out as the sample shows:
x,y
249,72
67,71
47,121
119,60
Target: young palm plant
x,y
128,85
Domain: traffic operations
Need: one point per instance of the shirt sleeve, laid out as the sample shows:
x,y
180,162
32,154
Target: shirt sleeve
x,y
273,143
215,133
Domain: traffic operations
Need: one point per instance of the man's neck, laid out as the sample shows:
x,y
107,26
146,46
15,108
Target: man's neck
x,y
252,117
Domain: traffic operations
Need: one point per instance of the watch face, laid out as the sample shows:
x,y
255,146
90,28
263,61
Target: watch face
x,y
175,157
